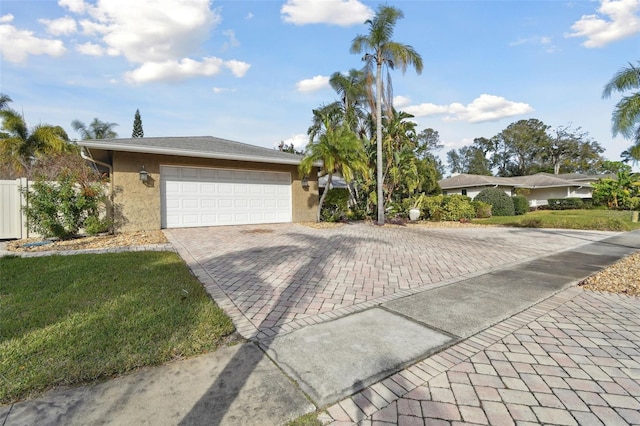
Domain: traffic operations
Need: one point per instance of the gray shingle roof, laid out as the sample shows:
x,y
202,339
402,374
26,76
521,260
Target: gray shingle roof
x,y
195,146
464,180
539,180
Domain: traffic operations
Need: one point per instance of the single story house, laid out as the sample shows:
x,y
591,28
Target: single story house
x,y
167,182
538,188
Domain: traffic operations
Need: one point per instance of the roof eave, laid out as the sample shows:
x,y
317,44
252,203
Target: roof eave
x,y
187,153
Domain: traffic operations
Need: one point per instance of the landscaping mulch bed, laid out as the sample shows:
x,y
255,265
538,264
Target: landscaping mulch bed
x,y
82,243
622,277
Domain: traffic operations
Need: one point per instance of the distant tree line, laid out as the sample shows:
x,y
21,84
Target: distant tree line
x,y
527,147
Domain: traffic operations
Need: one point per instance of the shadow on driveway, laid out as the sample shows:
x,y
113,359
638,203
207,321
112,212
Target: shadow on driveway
x,y
215,406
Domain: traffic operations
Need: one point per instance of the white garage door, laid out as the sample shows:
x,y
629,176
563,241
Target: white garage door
x,y
194,196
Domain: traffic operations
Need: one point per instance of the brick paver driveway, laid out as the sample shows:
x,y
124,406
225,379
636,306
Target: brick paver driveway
x,y
272,279
573,359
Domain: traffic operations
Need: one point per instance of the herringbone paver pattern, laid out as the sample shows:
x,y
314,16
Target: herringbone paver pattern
x,y
573,359
273,279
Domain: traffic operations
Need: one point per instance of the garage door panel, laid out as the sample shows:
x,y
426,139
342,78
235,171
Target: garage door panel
x,y
208,197
209,204
240,189
225,188
190,204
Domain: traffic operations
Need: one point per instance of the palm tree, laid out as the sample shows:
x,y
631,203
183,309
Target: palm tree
x,y
399,142
97,129
626,115
333,143
353,93
21,147
4,100
384,52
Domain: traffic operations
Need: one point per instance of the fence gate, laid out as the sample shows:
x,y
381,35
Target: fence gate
x,y
12,222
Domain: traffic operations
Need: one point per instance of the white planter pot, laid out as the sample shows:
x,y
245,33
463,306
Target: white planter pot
x,y
414,214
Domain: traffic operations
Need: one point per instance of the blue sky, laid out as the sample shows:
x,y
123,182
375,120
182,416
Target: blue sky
x,y
252,71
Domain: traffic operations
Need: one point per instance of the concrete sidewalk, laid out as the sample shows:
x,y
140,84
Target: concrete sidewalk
x,y
570,359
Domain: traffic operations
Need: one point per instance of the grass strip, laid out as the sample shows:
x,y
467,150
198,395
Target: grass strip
x,y
596,220
68,320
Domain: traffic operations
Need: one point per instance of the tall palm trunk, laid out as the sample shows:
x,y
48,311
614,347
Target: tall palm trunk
x,y
379,139
324,194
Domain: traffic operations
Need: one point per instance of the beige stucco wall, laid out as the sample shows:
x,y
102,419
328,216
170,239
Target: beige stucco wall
x,y
137,205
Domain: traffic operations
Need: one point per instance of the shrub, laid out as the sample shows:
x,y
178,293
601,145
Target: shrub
x,y
336,205
633,203
483,210
520,204
432,207
448,207
93,225
565,203
456,207
59,209
501,203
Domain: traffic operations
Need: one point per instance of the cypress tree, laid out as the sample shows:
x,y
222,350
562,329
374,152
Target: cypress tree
x,y
137,126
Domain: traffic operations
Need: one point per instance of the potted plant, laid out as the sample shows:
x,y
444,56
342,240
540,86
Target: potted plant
x,y
415,211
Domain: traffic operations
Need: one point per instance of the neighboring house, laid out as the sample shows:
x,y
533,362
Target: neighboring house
x,y
201,181
539,187
337,181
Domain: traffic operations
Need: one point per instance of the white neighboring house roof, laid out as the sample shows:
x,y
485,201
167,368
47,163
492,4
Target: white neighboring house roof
x,y
464,180
337,181
539,180
196,146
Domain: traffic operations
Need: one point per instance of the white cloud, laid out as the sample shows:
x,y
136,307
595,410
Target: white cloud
x,y
544,41
5,19
335,12
249,16
238,68
75,6
222,90
90,49
484,108
153,30
174,70
182,69
299,141
159,37
531,40
232,40
17,44
616,19
401,101
60,26
314,84
425,109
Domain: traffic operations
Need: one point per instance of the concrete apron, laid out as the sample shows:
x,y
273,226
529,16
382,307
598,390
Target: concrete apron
x,y
333,360
235,385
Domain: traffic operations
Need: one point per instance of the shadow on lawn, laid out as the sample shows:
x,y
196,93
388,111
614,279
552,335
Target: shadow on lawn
x,y
305,279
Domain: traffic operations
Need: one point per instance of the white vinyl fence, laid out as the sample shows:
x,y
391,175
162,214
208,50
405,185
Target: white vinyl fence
x,y
13,224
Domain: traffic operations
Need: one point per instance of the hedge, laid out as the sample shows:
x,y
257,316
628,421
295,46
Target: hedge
x,y
565,203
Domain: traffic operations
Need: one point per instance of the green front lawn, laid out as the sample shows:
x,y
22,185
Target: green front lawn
x,y
66,320
602,220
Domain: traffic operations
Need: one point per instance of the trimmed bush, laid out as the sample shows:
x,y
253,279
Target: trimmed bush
x,y
565,203
483,210
520,204
501,203
449,207
457,207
